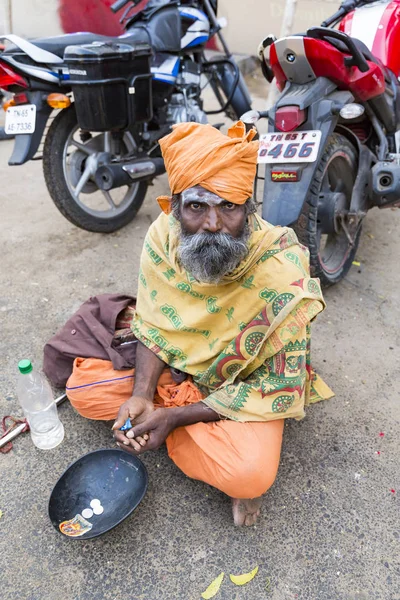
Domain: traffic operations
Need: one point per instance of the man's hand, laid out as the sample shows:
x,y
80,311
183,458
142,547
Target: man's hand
x,y
137,409
157,427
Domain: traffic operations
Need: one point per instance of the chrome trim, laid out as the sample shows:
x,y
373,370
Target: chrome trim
x,y
300,70
140,169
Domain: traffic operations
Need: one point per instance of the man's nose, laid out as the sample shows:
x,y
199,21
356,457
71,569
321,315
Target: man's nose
x,y
213,220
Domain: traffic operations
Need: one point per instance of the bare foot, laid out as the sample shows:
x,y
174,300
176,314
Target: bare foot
x,y
246,511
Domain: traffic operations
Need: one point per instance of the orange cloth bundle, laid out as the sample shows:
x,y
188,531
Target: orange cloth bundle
x,y
196,154
97,391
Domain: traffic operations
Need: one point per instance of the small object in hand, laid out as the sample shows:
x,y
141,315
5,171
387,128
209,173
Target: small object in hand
x,y
98,509
126,426
95,502
87,513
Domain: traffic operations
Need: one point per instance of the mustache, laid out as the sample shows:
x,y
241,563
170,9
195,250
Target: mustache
x,y
209,256
217,242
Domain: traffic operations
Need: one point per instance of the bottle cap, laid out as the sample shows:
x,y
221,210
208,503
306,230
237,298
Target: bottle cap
x,y
25,366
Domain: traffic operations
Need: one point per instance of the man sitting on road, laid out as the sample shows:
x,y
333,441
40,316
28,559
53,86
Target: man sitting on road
x,y
227,300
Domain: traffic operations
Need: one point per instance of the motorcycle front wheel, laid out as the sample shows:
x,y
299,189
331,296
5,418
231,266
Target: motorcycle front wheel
x,y
332,253
70,160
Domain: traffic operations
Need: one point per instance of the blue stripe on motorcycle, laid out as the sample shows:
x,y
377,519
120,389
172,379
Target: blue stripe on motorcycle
x,y
164,78
198,41
175,70
191,15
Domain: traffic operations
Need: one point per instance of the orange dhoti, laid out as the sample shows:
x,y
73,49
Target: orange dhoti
x,y
240,459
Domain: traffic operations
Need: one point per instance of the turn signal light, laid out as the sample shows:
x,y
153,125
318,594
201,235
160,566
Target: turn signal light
x,y
8,103
58,101
352,111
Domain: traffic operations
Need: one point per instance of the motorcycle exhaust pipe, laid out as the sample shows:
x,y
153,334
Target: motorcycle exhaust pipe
x,y
111,176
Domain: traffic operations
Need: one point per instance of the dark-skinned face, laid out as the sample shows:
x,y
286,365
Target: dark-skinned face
x,y
214,234
202,211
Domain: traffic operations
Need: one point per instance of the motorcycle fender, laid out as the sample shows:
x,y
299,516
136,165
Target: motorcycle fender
x,y
241,100
283,200
26,145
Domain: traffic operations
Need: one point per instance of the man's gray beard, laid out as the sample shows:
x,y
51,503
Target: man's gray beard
x,y
209,256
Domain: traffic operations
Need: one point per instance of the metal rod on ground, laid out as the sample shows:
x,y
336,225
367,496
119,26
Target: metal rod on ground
x,y
286,29
17,430
60,399
13,434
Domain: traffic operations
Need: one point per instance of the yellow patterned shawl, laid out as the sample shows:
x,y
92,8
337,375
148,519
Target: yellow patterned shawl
x,y
245,341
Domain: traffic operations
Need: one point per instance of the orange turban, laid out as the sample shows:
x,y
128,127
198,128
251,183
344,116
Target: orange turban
x,y
196,154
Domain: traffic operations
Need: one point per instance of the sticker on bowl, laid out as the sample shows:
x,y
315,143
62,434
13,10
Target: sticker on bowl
x,y
75,527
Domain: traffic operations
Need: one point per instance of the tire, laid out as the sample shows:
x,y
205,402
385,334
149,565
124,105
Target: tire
x,y
337,169
63,169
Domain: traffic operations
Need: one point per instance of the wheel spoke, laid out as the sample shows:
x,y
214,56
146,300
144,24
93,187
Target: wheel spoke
x,y
82,181
109,199
82,147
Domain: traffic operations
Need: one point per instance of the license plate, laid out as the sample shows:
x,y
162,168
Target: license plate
x,y
296,147
20,119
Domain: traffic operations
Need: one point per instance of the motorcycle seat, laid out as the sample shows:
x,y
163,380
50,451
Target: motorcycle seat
x,y
161,30
57,44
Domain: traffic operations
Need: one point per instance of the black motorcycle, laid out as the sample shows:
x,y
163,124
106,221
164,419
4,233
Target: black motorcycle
x,y
116,97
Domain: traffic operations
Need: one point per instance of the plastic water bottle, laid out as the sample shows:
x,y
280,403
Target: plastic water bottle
x,y
36,399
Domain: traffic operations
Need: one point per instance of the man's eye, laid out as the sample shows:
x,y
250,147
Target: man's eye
x,y
195,205
230,206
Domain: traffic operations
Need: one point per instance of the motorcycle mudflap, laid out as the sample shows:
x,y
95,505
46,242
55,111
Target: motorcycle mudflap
x,y
26,144
283,201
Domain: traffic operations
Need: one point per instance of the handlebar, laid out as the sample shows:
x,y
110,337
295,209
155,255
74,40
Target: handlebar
x,y
346,7
118,5
336,17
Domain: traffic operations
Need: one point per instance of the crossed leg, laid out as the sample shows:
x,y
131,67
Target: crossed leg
x,y
240,459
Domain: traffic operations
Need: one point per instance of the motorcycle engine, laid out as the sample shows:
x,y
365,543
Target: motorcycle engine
x,y
183,109
185,104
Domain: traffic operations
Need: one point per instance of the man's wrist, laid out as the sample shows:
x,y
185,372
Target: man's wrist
x,y
193,413
177,415
144,393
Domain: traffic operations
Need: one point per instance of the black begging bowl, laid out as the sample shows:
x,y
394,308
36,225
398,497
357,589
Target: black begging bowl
x,y
108,483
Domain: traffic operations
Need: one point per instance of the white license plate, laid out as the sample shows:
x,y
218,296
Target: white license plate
x,y
295,147
20,119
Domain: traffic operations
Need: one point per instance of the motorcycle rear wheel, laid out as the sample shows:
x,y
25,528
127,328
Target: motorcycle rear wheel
x,y
332,254
70,180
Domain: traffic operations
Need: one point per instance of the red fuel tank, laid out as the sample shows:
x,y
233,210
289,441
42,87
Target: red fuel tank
x,y
378,26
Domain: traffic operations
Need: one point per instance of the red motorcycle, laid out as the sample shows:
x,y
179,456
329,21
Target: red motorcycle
x,y
333,147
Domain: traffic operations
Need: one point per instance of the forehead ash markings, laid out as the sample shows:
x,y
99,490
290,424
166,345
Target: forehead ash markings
x,y
200,195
